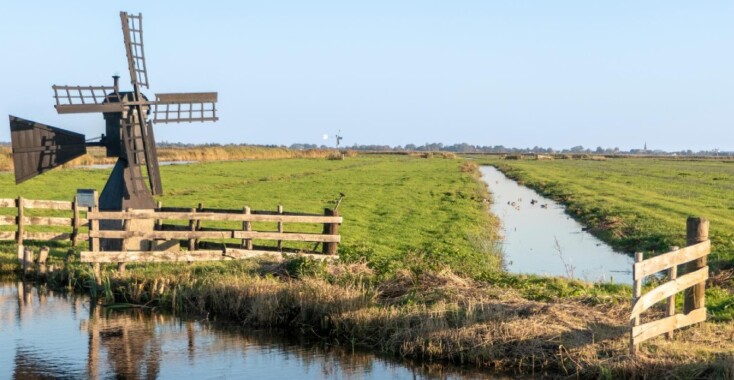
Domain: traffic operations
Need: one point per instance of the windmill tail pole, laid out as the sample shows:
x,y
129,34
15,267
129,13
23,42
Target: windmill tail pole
x,y
339,200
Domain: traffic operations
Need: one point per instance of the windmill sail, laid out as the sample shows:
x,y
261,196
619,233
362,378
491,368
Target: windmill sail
x,y
185,107
132,32
38,147
83,99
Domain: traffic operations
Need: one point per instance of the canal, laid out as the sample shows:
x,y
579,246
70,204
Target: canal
x,y
44,334
540,238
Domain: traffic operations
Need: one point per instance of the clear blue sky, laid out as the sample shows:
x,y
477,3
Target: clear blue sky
x,y
514,73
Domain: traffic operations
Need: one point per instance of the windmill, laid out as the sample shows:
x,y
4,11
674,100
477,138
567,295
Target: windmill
x,y
339,138
128,134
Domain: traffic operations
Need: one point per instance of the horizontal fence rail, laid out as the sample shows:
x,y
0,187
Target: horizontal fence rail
x,y
23,222
692,283
175,227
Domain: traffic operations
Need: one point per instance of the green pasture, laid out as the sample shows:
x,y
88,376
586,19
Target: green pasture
x,y
394,205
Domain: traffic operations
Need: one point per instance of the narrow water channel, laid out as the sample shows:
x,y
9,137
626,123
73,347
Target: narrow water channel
x,y
540,238
48,335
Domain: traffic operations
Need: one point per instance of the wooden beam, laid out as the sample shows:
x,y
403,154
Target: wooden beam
x,y
136,214
51,205
286,236
189,256
164,235
249,254
7,220
7,202
636,293
697,230
47,235
47,221
670,259
652,329
7,235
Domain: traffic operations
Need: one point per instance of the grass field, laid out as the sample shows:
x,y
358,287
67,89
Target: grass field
x,y
638,204
394,205
419,275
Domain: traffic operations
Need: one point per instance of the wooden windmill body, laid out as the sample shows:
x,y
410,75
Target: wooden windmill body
x,y
128,115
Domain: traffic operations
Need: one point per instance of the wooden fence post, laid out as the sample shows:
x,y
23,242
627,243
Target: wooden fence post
x,y
27,261
126,225
636,293
697,230
20,222
330,229
198,223
192,227
246,226
158,207
75,221
280,228
94,242
672,275
42,259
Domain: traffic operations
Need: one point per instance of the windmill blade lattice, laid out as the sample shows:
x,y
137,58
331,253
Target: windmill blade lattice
x,y
132,32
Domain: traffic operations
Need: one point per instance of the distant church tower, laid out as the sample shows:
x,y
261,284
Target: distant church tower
x,y
645,148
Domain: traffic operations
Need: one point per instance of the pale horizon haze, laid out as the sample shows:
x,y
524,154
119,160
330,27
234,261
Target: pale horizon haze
x,y
514,73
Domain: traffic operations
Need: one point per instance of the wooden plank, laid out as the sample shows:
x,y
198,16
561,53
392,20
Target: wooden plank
x,y
7,220
286,236
137,214
7,202
670,307
667,260
636,292
151,256
250,254
649,330
47,221
164,235
85,108
52,205
47,236
83,237
668,289
7,235
189,256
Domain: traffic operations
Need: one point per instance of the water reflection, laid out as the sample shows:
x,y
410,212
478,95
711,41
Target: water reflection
x,y
540,238
50,335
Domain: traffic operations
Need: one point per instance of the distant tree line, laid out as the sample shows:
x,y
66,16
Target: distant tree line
x,y
461,148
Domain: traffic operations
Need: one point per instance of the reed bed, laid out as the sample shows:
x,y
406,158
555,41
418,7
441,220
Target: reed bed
x,y
433,316
97,155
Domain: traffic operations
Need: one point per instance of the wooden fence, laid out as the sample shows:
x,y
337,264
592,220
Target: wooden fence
x,y
230,243
22,221
693,283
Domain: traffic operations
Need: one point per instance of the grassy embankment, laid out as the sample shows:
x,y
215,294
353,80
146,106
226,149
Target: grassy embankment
x,y
418,277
